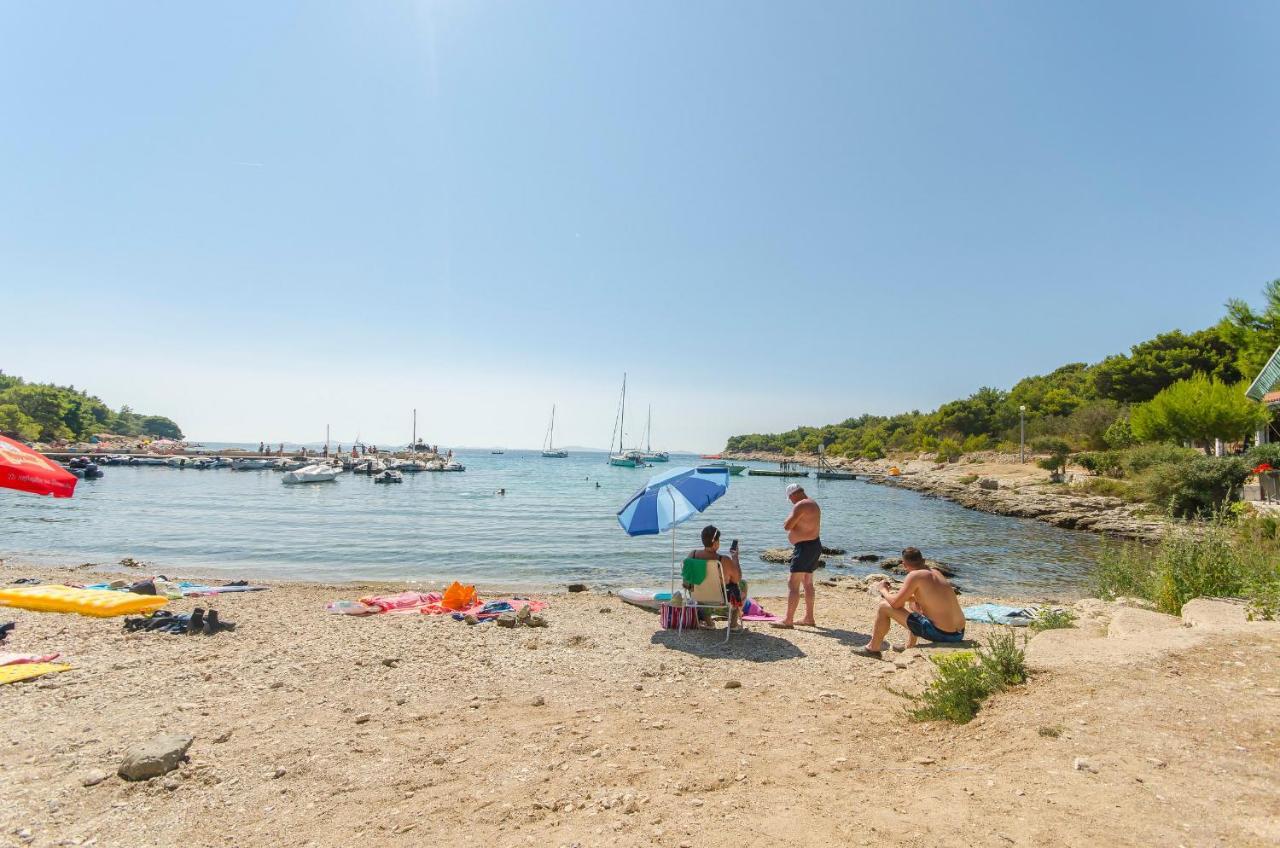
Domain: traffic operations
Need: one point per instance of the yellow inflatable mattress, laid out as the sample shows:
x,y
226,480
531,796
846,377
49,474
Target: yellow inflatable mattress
x,y
97,602
26,671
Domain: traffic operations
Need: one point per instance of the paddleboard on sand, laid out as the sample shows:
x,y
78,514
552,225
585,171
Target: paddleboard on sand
x,y
647,598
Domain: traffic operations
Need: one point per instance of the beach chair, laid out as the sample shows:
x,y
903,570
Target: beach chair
x,y
704,588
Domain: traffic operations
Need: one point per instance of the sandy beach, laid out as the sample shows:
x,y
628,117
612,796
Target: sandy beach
x,y
312,729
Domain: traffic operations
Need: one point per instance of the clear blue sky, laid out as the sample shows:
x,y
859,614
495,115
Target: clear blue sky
x,y
260,218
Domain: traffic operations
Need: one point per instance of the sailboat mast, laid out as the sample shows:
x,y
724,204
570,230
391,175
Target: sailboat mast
x,y
551,437
648,432
414,444
326,440
622,421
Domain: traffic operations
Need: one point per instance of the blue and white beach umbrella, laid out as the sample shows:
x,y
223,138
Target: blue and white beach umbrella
x,y
671,498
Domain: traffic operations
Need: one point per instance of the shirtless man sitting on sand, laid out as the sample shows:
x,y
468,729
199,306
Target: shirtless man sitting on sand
x,y
926,605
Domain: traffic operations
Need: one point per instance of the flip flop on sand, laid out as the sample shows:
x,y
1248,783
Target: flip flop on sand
x,y
864,651
782,625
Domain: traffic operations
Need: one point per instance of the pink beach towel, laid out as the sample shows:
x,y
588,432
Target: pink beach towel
x,y
21,659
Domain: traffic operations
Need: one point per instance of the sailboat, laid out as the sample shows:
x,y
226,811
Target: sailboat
x,y
649,454
549,449
624,458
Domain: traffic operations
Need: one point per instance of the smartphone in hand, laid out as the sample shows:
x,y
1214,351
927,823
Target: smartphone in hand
x,y
734,545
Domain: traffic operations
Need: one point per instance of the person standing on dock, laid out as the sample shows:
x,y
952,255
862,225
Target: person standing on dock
x,y
802,526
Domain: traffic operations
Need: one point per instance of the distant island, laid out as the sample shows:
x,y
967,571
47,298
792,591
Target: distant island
x,y
49,413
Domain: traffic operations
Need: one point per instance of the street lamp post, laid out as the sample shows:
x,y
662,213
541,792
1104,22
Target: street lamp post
x,y
1022,433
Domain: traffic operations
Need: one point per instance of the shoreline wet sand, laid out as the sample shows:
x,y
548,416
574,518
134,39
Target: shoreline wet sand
x,y
318,729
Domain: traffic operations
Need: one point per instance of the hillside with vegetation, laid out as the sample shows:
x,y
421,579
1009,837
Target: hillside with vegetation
x,y
1178,386
48,413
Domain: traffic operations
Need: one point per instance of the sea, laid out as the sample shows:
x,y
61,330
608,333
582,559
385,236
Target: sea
x,y
555,524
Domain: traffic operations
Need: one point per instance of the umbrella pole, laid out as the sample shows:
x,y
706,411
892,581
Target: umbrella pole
x,y
673,543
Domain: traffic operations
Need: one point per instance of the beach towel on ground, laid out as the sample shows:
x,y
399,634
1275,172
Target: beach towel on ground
x,y
403,602
752,611
493,609
1001,614
21,659
14,673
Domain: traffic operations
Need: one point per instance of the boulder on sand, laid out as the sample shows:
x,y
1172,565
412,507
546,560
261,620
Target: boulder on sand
x,y
155,757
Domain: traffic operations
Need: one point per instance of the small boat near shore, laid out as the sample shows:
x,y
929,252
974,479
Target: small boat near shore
x,y
827,471
785,469
369,466
735,470
389,476
317,473
251,464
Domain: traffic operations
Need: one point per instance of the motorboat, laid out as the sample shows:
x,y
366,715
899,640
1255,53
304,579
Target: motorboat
x,y
203,463
176,462
147,460
454,465
220,462
318,473
115,459
288,464
735,470
247,464
84,468
369,466
411,466
389,476
498,452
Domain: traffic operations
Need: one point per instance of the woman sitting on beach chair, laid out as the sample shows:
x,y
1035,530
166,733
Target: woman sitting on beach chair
x,y
731,568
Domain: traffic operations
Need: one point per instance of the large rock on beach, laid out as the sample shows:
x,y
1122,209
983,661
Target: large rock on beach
x,y
155,757
776,555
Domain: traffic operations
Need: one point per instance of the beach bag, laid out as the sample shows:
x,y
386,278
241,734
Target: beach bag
x,y
458,597
678,618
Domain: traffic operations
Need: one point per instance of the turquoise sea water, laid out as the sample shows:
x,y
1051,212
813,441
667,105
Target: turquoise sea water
x,y
555,525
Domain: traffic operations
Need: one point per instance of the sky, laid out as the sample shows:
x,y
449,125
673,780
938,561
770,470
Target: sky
x,y
264,218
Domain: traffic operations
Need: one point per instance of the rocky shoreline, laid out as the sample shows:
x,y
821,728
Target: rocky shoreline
x,y
999,484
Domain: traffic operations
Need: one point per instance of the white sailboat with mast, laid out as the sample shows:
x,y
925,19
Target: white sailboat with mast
x,y
549,450
650,455
623,458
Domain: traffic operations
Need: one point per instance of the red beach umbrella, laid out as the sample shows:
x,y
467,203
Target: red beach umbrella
x,y
23,469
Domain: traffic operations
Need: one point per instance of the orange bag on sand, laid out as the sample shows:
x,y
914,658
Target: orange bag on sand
x,y
458,597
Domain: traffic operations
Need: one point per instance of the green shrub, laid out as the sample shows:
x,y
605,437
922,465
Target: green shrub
x,y
1053,619
1108,488
1120,435
1214,561
1058,451
1002,662
973,444
1196,488
954,694
1108,463
967,479
873,449
1137,460
949,450
963,679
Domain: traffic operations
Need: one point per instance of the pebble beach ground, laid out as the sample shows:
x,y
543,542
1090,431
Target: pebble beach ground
x,y
317,729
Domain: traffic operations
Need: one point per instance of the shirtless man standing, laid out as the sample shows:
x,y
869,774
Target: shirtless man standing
x,y
926,605
802,527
